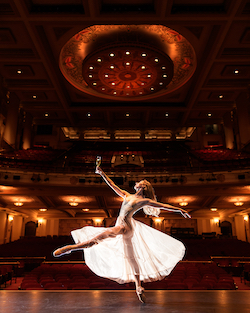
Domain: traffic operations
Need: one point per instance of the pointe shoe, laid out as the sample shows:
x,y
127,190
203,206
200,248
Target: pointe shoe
x,y
61,251
140,294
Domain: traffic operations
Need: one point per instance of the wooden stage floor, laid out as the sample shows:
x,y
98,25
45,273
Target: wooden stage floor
x,y
119,301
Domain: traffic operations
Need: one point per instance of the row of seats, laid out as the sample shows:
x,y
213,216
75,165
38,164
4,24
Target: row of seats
x,y
192,276
6,274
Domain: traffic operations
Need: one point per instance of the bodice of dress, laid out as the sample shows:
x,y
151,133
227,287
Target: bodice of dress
x,y
127,211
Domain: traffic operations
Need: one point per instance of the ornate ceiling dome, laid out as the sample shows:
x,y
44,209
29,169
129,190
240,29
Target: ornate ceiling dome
x,y
123,62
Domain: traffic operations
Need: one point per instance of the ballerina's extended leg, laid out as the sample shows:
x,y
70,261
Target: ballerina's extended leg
x,y
111,232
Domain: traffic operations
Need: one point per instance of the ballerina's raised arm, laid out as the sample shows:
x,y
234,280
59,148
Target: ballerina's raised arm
x,y
120,192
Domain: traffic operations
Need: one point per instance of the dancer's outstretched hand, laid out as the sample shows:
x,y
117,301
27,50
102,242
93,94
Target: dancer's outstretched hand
x,y
185,214
98,170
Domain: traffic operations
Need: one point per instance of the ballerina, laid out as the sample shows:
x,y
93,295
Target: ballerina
x,y
130,251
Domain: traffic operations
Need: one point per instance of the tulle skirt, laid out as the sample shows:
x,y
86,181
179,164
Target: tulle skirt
x,y
147,252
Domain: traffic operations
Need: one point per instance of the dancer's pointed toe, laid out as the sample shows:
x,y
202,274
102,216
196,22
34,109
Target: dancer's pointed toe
x,y
141,295
61,251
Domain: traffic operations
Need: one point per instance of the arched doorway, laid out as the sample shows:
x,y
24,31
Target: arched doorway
x,y
226,229
30,229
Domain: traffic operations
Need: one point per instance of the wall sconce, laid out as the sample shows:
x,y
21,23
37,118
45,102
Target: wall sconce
x,y
40,221
157,220
216,221
98,221
10,218
246,218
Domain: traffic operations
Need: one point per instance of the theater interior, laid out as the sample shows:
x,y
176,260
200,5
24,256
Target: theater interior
x,y
159,90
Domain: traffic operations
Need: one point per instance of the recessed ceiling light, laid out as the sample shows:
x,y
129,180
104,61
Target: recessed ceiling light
x,y
143,67
127,114
91,67
112,66
106,75
19,71
114,92
221,96
99,60
213,209
46,114
209,114
142,84
90,75
88,114
160,83
144,54
127,63
43,210
111,55
127,52
85,210
166,114
236,71
156,60
149,75
152,88
34,96
113,83
163,67
164,75
94,83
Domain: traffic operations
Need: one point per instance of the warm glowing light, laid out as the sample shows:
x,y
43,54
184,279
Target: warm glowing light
x,y
10,218
143,67
152,88
236,71
144,54
238,203
40,221
18,203
91,67
164,75
73,203
99,60
19,71
127,63
43,210
112,66
156,60
163,67
111,55
216,220
157,220
94,84
34,96
220,96
209,114
85,210
127,52
213,209
246,218
183,203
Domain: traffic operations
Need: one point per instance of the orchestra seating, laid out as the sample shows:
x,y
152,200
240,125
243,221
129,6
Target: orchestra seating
x,y
208,264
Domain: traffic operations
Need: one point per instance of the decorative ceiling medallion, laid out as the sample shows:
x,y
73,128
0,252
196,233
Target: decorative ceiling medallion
x,y
127,62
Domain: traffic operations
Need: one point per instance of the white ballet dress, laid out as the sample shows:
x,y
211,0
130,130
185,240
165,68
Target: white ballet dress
x,y
155,253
